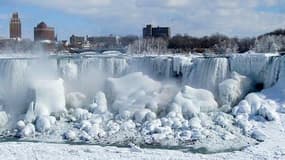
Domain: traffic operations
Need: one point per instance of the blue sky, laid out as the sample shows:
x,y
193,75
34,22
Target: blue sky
x,y
123,17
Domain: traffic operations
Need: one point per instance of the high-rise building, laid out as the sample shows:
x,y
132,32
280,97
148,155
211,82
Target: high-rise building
x,y
15,26
156,32
76,41
42,33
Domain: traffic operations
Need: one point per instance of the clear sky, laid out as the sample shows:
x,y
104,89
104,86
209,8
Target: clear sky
x,y
123,17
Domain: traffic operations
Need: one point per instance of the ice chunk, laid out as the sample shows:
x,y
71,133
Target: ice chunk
x,y
99,106
27,131
85,125
85,136
70,135
43,123
258,135
20,125
195,122
81,114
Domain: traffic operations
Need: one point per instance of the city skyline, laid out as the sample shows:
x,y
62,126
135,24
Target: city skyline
x,y
94,17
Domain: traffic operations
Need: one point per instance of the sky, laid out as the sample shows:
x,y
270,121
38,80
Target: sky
x,y
241,18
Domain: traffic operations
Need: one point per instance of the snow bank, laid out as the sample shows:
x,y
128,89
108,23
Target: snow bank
x,y
190,102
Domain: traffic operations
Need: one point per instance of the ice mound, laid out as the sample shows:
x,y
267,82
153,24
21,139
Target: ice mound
x,y
256,105
131,92
43,123
49,97
232,90
190,101
25,130
75,100
99,105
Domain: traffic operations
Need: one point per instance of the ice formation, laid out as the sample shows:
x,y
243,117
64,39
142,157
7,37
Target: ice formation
x,y
190,102
49,97
233,89
143,100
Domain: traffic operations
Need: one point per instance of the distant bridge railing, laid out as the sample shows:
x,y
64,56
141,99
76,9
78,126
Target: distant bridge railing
x,y
100,50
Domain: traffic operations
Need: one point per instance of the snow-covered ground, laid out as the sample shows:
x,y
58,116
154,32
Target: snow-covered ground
x,y
229,107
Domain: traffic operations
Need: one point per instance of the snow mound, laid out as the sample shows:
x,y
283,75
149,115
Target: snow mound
x,y
43,123
190,101
232,90
256,105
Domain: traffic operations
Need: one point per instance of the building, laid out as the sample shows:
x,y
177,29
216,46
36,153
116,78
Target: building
x,y
103,41
76,41
15,26
156,32
44,33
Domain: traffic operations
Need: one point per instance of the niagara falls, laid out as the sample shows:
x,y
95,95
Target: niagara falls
x,y
142,79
